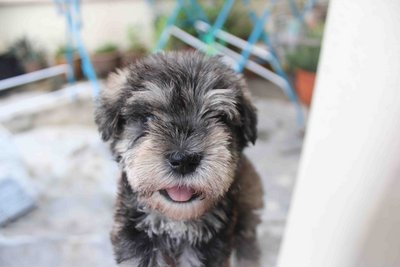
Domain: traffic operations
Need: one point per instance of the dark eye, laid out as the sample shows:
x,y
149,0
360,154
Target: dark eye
x,y
221,118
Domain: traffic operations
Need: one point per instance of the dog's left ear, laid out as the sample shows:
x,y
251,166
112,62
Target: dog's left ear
x,y
249,116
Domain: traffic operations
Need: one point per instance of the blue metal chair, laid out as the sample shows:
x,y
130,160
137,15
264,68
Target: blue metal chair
x,y
72,12
210,33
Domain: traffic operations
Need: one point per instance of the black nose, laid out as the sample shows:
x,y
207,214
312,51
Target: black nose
x,y
184,163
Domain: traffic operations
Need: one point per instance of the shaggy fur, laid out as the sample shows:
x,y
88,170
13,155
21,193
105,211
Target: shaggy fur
x,y
194,105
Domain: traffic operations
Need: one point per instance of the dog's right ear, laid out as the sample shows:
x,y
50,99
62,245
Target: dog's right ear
x,y
109,104
249,118
249,115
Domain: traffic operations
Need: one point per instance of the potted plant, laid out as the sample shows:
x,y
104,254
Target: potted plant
x,y
137,49
61,57
105,59
304,62
30,57
237,23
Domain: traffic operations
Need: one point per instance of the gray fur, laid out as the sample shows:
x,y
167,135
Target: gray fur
x,y
192,231
193,104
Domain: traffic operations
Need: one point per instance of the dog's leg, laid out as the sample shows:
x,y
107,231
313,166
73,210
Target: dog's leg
x,y
247,249
250,202
190,258
132,247
138,253
217,252
217,260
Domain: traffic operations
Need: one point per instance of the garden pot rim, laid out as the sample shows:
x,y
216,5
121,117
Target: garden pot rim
x,y
301,70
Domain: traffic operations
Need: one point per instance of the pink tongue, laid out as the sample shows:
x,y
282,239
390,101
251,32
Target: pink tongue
x,y
180,194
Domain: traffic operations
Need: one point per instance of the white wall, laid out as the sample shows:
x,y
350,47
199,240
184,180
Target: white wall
x,y
104,21
346,207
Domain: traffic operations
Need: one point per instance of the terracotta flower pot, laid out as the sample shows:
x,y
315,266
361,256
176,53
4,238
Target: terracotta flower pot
x,y
104,63
304,84
77,62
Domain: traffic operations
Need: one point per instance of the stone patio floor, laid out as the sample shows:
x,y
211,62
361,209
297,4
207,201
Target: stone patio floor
x,y
74,178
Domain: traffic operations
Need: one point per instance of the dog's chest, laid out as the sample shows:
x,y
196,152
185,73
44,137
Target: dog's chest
x,y
182,232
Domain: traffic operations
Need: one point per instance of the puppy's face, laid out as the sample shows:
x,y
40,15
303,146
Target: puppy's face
x,y
177,124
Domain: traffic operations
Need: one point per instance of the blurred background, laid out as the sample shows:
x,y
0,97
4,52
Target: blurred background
x,y
58,180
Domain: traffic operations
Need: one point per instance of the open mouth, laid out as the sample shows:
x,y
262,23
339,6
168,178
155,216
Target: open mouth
x,y
179,194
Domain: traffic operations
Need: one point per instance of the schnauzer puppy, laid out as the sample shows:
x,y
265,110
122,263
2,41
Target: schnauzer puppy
x,y
177,124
